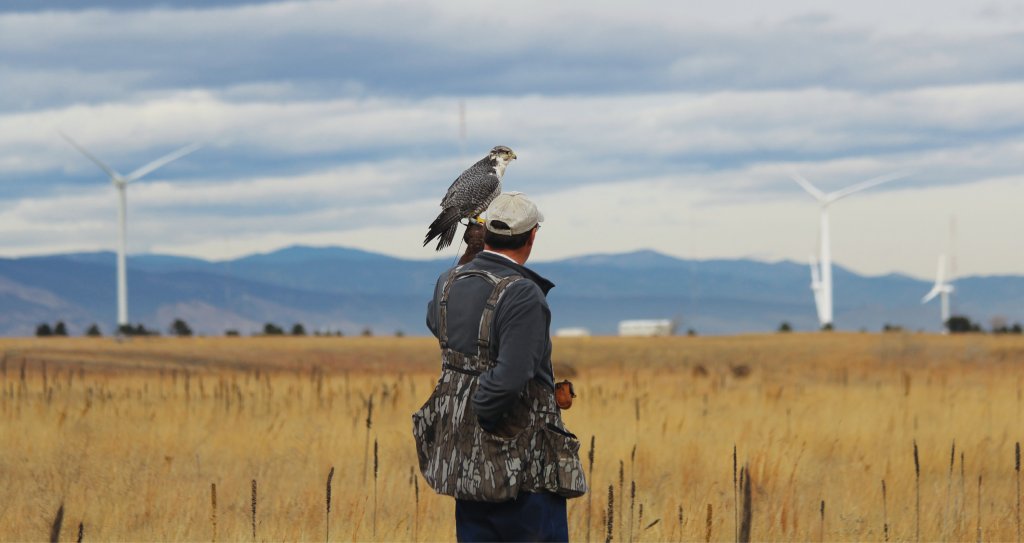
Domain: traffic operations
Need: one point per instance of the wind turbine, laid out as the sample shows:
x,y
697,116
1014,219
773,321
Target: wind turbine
x,y
821,268
120,182
943,288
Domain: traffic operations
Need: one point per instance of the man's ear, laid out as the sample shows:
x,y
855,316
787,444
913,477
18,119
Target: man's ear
x,y
533,235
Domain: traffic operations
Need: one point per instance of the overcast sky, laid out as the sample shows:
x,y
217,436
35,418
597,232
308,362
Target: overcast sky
x,y
671,126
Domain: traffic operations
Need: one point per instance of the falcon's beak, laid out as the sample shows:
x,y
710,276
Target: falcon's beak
x,y
512,156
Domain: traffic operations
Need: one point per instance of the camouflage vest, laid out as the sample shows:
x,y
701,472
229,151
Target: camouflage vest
x,y
532,452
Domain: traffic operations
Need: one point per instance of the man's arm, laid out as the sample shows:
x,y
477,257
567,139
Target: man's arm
x,y
520,331
432,309
474,238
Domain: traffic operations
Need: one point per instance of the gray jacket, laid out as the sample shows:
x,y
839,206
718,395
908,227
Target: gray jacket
x,y
520,335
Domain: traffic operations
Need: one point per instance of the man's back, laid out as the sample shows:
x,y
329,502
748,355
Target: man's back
x,y
491,434
520,339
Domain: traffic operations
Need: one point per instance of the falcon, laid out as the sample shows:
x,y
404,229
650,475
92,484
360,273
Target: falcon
x,y
469,195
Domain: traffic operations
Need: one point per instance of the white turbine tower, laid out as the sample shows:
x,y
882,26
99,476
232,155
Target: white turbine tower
x,y
821,266
942,288
120,182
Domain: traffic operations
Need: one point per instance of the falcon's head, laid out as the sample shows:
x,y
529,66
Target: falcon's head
x,y
501,156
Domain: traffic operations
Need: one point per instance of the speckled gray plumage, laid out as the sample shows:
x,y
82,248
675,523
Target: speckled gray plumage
x,y
474,189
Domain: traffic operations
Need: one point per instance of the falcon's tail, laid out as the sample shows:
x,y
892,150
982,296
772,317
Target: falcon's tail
x,y
443,227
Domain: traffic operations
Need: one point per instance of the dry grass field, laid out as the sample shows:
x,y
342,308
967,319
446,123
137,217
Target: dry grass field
x,y
131,437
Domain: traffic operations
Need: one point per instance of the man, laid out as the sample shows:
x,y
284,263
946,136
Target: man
x,y
491,434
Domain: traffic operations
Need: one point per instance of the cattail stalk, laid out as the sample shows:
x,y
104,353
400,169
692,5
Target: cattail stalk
x,y
680,538
254,509
917,492
369,425
821,527
949,489
611,514
632,505
327,532
213,510
81,532
885,514
962,518
979,509
622,491
707,525
746,521
58,521
375,470
590,477
632,479
1017,469
416,513
735,495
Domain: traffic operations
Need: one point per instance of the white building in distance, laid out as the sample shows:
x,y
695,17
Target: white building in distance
x,y
572,332
647,328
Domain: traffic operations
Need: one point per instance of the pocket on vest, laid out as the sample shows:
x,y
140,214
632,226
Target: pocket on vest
x,y
562,466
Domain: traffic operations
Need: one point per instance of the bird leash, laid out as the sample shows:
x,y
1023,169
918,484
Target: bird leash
x,y
455,261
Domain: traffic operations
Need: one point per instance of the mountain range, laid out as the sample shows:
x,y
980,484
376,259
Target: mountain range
x,y
336,288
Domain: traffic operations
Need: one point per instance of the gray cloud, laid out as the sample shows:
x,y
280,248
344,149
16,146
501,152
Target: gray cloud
x,y
424,49
323,120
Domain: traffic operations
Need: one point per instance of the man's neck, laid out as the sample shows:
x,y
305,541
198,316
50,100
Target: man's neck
x,y
514,256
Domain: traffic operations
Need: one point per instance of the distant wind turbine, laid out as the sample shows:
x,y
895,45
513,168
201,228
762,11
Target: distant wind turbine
x,y
120,182
821,267
942,288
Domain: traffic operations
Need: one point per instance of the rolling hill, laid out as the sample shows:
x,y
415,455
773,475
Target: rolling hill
x,y
336,288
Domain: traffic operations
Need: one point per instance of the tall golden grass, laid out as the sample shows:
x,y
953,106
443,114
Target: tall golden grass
x,y
164,439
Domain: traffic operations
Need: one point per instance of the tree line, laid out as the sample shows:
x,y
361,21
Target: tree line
x,y
180,328
957,324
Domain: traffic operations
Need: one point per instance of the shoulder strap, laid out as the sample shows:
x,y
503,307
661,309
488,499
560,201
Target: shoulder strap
x,y
483,341
442,317
454,275
486,318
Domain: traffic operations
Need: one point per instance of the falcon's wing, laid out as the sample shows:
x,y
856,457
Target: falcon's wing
x,y
472,189
469,176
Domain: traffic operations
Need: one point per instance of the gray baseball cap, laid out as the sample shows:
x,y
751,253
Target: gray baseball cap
x,y
516,211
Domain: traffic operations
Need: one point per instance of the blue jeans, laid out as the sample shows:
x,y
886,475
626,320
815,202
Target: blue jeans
x,y
530,517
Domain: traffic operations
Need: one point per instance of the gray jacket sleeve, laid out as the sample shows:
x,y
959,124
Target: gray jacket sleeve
x,y
520,335
432,309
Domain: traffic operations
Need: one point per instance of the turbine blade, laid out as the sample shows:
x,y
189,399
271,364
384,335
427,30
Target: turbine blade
x,y
811,189
110,171
873,182
940,276
815,274
931,294
161,162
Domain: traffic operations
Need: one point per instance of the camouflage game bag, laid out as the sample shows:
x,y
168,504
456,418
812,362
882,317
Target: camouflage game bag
x,y
531,452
